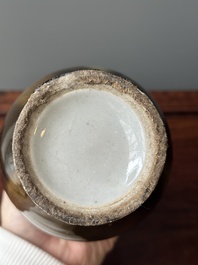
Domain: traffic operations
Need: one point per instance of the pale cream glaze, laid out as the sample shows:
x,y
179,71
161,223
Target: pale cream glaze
x,y
81,200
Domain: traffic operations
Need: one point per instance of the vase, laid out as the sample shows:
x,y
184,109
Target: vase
x,y
85,154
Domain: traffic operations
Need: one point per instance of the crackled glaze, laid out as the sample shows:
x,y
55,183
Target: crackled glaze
x,y
83,152
88,147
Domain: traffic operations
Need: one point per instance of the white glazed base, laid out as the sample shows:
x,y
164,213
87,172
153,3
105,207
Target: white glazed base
x,y
89,147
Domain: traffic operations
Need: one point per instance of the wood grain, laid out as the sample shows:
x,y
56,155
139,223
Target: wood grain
x,y
169,235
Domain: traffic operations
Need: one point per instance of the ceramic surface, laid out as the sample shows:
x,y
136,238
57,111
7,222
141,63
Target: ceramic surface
x,y
83,152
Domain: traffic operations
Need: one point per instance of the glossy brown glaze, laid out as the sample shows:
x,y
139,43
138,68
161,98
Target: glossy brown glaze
x,y
113,226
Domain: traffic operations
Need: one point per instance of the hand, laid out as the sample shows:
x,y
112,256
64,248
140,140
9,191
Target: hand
x,y
69,252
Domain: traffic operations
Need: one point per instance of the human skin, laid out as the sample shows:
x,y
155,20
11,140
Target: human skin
x,y
68,252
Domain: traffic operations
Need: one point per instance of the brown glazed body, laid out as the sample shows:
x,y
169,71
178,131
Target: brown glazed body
x,y
22,201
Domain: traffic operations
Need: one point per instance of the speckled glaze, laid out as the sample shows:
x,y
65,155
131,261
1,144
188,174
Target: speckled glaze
x,y
101,201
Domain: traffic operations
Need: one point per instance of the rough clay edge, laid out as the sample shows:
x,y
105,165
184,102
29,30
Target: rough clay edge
x,y
71,214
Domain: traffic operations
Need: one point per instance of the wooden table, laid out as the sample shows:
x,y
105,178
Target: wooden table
x,y
169,235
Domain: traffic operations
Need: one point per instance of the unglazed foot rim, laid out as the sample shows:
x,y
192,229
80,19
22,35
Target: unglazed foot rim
x,y
93,84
